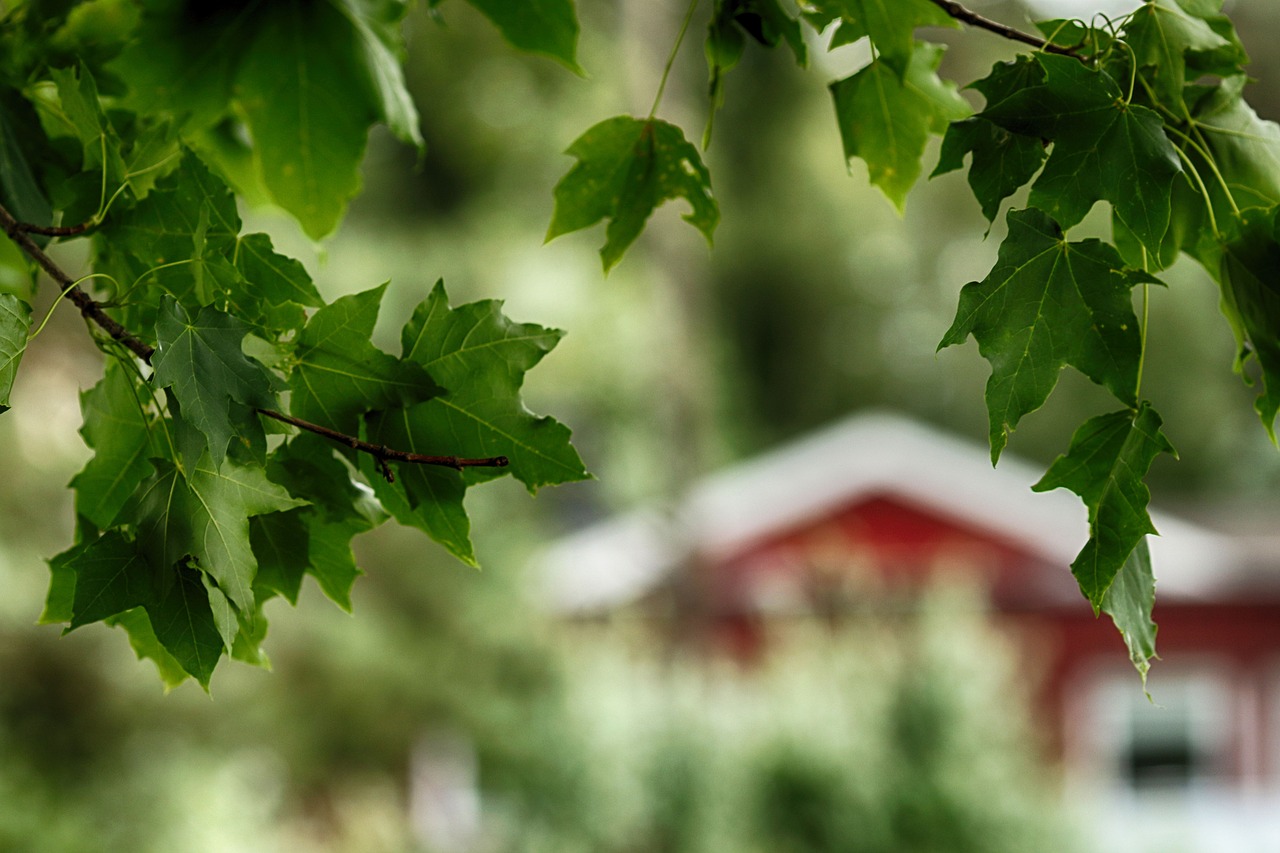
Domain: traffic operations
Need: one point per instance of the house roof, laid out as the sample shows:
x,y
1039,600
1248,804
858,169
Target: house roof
x,y
620,559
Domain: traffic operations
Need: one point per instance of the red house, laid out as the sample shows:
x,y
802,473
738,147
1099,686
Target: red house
x,y
878,504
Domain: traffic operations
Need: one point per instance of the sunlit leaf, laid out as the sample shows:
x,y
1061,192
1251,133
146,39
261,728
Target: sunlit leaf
x,y
626,168
886,120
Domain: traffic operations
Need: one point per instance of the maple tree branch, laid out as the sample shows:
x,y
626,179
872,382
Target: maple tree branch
x,y
383,453
93,310
973,19
55,230
90,309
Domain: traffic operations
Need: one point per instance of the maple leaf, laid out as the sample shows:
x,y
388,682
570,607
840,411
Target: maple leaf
x,y
122,438
626,168
481,356
1003,161
1161,34
1129,602
340,374
1045,304
477,350
1250,282
202,361
183,622
547,27
887,121
306,95
890,24
339,509
1108,457
1104,148
204,513
424,496
111,576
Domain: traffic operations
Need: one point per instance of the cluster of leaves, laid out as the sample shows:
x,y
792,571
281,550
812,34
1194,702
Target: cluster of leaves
x,y
136,125
1144,112
145,120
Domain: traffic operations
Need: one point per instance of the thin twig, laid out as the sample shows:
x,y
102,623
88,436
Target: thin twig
x,y
973,19
383,453
55,230
93,310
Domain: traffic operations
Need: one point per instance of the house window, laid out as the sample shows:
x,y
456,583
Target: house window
x,y
1162,749
1181,742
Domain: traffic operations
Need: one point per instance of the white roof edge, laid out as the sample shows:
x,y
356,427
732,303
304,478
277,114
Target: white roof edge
x,y
873,452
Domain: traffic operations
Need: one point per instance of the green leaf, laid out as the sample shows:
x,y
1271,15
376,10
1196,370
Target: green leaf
x,y
248,641
123,438
275,285
891,25
19,191
1108,457
424,496
382,48
332,563
84,117
182,60
626,168
1161,35
340,509
1002,161
1045,304
280,542
340,374
111,577
202,361
184,625
545,27
1129,602
481,356
1103,148
59,604
205,514
305,94
1245,149
224,615
1250,280
15,320
886,120
142,638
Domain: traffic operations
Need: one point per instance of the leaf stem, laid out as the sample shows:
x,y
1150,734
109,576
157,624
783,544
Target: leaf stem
x,y
1204,191
675,48
1142,328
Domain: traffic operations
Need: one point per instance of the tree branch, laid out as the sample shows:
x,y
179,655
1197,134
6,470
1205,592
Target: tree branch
x,y
55,230
383,453
92,310
973,19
